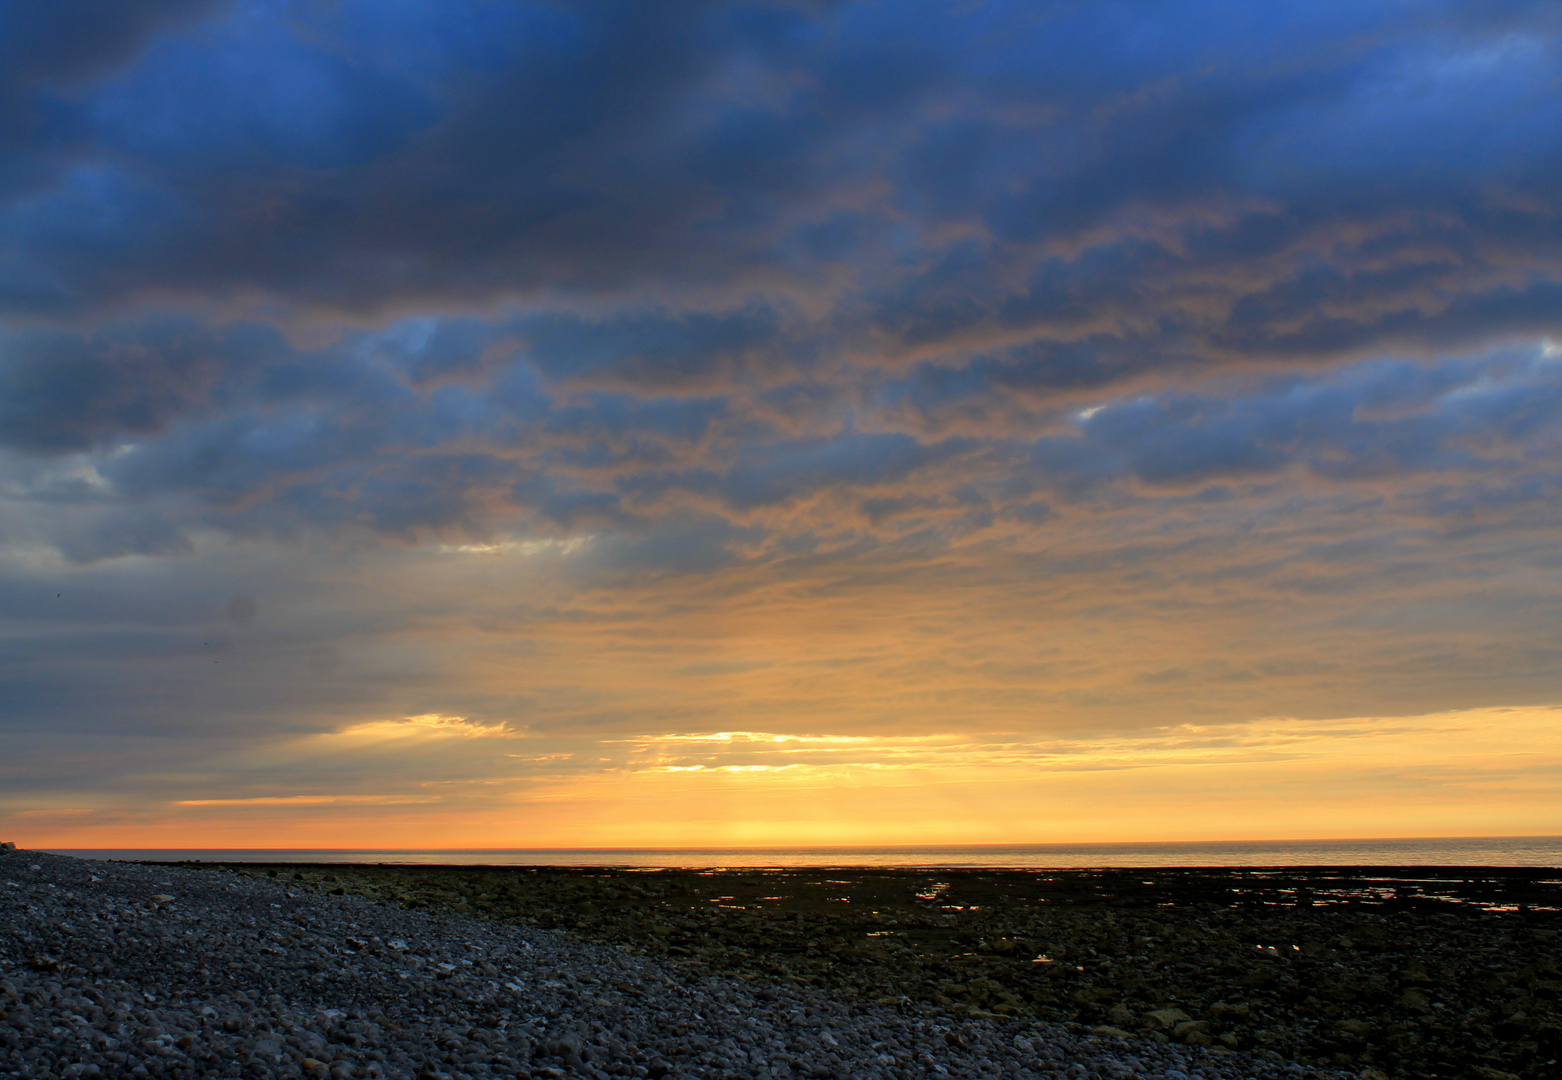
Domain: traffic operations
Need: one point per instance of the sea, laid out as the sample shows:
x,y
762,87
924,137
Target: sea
x,y
1504,851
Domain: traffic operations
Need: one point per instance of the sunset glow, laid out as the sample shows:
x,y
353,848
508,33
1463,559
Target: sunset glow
x,y
521,425
1262,780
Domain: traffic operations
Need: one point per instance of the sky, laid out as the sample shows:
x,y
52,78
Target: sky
x,y
496,423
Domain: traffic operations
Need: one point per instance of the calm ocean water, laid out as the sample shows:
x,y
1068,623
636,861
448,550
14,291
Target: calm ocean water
x,y
1542,851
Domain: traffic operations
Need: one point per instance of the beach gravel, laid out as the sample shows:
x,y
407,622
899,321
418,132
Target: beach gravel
x,y
118,969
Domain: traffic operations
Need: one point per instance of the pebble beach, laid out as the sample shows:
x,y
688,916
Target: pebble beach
x,y
120,969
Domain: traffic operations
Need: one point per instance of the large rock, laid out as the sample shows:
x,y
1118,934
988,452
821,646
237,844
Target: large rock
x,y
1486,1072
1165,1019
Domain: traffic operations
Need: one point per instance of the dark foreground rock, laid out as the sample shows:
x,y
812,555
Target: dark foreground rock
x,y
1419,972
112,969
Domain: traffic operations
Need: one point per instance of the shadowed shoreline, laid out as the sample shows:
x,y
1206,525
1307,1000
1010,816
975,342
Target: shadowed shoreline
x,y
1399,971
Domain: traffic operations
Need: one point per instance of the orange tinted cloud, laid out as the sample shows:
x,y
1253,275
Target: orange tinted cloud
x,y
1478,772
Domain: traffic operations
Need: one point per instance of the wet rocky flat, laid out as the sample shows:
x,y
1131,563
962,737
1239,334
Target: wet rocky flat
x,y
1414,972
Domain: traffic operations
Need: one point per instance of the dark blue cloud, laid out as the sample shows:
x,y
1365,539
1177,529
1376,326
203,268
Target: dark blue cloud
x,y
606,265
1485,417
1017,170
47,51
64,391
268,438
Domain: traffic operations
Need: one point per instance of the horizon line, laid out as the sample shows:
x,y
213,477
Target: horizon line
x,y
846,847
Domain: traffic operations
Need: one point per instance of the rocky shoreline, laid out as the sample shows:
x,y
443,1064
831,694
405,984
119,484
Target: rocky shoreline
x,y
120,969
1396,972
